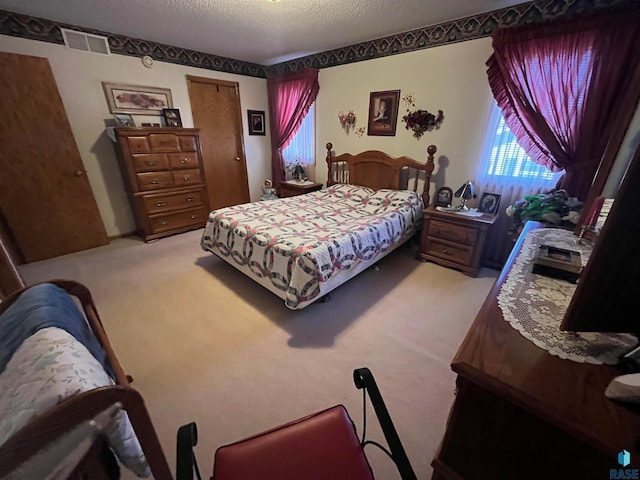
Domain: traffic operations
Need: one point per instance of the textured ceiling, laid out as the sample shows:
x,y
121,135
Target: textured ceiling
x,y
257,31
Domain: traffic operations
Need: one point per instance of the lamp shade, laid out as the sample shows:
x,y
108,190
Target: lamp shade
x,y
466,191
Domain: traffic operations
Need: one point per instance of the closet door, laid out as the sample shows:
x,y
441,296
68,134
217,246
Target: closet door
x,y
215,105
46,202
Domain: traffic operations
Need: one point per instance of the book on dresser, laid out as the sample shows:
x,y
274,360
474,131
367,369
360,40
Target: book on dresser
x,y
164,178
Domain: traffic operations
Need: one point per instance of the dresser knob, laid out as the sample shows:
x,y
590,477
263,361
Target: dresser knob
x,y
164,223
189,199
184,160
160,204
155,181
187,177
150,163
444,250
194,216
78,173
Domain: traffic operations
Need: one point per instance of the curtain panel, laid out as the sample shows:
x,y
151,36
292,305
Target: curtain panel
x,y
565,89
290,97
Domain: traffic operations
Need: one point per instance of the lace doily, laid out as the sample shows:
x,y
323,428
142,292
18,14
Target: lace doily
x,y
535,305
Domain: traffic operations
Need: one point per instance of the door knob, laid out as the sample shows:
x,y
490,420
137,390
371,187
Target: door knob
x,y
78,173
236,158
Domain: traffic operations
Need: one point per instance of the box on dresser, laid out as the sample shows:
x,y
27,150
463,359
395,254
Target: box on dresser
x,y
164,178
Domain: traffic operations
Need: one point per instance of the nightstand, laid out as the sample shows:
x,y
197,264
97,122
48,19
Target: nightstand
x,y
291,189
454,240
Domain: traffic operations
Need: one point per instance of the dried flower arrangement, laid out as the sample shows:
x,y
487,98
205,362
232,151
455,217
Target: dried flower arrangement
x,y
347,120
419,120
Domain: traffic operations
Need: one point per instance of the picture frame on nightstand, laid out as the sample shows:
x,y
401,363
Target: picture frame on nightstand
x,y
489,203
444,196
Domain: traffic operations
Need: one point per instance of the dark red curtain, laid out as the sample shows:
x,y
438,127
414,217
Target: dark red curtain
x,y
562,86
290,97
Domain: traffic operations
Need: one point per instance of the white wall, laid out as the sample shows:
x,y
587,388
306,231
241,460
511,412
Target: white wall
x,y
451,78
79,75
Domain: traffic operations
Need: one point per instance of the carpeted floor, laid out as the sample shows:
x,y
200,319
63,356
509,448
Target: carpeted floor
x,y
206,344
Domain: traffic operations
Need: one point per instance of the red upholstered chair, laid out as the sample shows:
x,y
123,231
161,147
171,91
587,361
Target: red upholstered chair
x,y
321,446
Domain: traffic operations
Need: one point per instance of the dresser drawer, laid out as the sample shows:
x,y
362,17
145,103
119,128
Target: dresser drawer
x,y
154,180
149,162
182,178
187,144
164,202
183,219
164,142
453,232
138,144
459,254
183,160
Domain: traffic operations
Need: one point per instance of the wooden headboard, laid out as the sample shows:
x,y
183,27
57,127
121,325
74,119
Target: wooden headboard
x,y
376,170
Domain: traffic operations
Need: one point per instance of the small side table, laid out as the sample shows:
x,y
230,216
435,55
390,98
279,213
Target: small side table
x,y
291,189
454,240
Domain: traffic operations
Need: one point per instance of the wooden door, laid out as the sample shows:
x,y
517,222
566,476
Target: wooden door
x,y
215,105
45,198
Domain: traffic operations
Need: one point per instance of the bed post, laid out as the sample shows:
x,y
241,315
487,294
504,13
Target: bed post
x,y
431,150
329,146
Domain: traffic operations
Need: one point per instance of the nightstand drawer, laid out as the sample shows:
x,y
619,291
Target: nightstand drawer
x,y
453,232
459,254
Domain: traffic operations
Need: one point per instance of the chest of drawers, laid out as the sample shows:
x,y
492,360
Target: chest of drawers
x,y
164,179
453,239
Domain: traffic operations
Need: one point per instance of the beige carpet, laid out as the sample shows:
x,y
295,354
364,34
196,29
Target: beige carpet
x,y
206,344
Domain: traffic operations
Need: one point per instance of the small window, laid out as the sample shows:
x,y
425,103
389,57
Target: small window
x,y
302,148
505,161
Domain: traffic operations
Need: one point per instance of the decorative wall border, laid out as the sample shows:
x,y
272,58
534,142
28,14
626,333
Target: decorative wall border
x,y
461,30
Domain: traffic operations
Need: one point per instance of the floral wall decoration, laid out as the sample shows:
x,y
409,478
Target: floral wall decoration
x,y
347,120
419,120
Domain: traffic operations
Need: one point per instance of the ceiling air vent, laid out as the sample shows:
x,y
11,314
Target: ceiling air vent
x,y
85,41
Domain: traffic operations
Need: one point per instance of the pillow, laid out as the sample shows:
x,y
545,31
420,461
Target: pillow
x,y
386,199
347,192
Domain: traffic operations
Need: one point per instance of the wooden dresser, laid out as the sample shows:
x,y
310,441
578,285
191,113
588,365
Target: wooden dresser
x,y
520,412
164,178
454,240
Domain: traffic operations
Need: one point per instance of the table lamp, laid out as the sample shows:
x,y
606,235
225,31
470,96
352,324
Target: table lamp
x,y
466,192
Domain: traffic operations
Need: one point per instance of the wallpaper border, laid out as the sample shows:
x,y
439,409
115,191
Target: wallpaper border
x,y
461,30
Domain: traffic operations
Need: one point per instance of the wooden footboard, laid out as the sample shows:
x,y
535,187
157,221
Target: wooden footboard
x,y
377,170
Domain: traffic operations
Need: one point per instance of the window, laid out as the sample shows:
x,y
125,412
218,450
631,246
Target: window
x,y
504,160
302,147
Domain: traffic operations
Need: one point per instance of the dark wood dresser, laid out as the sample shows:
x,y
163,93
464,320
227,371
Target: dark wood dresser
x,y
523,413
164,179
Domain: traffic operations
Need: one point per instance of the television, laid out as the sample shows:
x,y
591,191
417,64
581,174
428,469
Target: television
x,y
607,296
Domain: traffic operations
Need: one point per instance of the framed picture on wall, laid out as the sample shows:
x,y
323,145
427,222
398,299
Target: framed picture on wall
x,y
136,99
172,117
256,122
383,112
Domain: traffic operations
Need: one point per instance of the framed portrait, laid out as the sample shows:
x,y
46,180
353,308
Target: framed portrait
x,y
489,203
172,117
124,120
137,99
444,196
256,122
383,112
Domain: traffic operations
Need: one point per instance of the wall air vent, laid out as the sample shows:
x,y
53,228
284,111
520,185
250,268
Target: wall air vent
x,y
86,42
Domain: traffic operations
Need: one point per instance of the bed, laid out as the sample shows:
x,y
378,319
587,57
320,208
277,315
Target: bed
x,y
67,408
301,248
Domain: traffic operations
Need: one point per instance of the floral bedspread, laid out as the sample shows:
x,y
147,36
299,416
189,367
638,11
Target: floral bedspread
x,y
49,367
299,243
